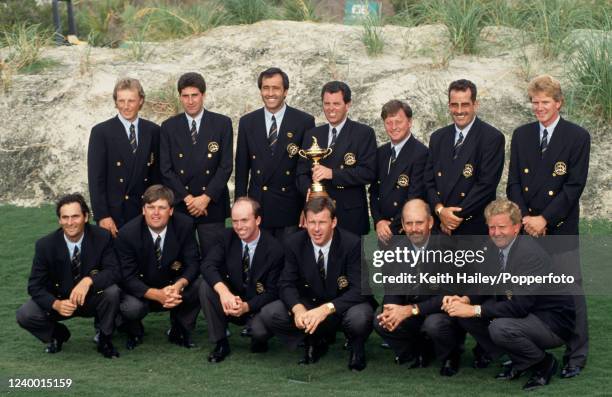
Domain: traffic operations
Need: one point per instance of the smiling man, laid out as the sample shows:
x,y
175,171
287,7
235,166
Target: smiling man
x,y
464,166
320,289
159,263
549,164
73,275
266,155
240,277
352,163
122,159
520,321
196,160
400,165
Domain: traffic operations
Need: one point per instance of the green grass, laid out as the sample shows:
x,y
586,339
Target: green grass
x,y
158,368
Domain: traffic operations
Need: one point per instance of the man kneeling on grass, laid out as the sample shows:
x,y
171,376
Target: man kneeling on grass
x,y
518,321
73,275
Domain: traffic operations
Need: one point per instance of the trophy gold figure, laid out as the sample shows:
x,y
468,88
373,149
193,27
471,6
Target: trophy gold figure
x,y
316,154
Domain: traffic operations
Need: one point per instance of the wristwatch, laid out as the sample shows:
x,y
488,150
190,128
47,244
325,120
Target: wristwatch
x,y
477,311
331,307
415,310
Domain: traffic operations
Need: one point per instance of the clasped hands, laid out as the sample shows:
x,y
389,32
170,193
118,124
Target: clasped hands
x,y
448,220
197,205
233,305
458,306
393,315
309,320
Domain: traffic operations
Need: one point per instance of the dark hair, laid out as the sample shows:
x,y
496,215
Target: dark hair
x,y
69,199
158,192
462,85
337,86
254,204
272,72
393,106
191,79
319,204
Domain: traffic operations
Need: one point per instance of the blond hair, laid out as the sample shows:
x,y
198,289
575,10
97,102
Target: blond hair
x,y
546,84
503,206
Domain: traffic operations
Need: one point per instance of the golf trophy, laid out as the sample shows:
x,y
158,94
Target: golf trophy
x,y
316,154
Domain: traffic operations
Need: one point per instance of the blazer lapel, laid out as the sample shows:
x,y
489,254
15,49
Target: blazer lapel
x,y
404,157
258,264
142,153
170,250
234,267
342,143
465,153
333,267
545,163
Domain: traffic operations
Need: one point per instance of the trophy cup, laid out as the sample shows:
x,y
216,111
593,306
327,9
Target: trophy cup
x,y
316,154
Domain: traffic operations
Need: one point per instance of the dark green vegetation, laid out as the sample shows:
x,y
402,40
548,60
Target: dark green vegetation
x,y
158,368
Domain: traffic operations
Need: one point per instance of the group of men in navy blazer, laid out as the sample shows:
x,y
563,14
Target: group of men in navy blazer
x,y
191,155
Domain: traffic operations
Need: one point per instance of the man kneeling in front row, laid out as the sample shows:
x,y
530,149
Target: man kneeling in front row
x,y
240,277
159,263
520,321
73,275
320,289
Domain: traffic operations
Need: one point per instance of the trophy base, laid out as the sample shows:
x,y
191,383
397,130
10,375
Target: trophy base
x,y
317,190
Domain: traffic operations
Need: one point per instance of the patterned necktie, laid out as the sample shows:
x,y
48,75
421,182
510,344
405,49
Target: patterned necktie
x,y
502,264
273,135
133,138
194,132
334,136
158,250
321,264
246,259
544,143
392,159
75,262
457,146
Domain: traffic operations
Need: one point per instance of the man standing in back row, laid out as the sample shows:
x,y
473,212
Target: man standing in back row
x,y
464,166
266,157
122,159
351,165
196,160
549,164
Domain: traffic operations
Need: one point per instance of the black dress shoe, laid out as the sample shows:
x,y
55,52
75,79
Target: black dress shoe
x,y
246,332
481,360
357,361
450,367
312,353
60,335
221,351
403,358
133,341
544,372
106,348
175,335
569,371
187,341
509,373
420,361
259,346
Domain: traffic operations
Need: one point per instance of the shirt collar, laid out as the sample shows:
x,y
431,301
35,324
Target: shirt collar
x,y
465,130
161,234
551,127
197,118
325,248
126,123
399,146
338,127
71,244
252,245
278,115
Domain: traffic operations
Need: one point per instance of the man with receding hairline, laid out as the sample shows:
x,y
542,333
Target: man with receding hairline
x,y
464,166
240,277
266,154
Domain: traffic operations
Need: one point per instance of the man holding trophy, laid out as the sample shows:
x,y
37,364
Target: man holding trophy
x,y
346,166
